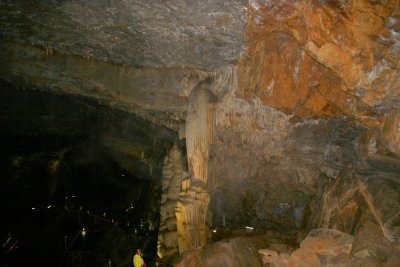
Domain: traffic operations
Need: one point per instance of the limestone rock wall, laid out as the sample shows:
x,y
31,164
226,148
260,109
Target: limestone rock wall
x,y
382,194
313,76
357,41
391,131
365,190
264,165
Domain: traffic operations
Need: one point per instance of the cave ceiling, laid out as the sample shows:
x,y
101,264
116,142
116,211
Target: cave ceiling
x,y
146,56
140,56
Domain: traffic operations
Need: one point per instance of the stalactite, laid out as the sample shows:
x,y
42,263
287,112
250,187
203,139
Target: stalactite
x,y
199,130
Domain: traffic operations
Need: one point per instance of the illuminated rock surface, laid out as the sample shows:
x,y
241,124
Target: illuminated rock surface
x,y
278,116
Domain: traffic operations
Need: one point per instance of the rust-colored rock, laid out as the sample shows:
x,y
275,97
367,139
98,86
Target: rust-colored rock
x,y
303,258
321,59
325,241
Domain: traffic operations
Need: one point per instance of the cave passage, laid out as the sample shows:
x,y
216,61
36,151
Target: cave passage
x,y
70,195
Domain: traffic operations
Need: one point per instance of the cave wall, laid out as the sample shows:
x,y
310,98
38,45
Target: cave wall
x,y
308,83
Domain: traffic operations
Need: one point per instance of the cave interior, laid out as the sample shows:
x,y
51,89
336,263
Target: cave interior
x,y
207,133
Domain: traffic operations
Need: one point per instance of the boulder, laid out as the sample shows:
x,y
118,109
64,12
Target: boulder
x,y
324,241
323,247
268,256
236,252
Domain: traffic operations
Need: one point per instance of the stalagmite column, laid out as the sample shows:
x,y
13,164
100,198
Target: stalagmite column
x,y
174,171
191,213
193,202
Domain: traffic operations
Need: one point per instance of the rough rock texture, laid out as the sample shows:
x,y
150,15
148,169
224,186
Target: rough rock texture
x,y
391,133
191,210
191,214
131,32
236,252
327,242
114,50
330,247
299,107
290,109
321,247
174,171
291,128
357,41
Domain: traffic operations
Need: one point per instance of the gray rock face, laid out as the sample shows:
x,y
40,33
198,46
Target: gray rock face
x,y
195,34
139,56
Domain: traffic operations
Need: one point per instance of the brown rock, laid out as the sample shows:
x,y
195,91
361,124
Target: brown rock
x,y
364,262
304,258
235,252
382,193
394,259
283,260
391,132
268,256
327,242
370,243
349,216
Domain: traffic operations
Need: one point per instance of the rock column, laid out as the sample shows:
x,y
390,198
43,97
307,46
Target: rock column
x,y
193,202
174,171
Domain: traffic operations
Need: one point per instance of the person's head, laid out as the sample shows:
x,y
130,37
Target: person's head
x,y
139,251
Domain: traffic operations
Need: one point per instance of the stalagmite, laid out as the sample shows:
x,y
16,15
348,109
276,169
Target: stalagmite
x,y
193,202
173,172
